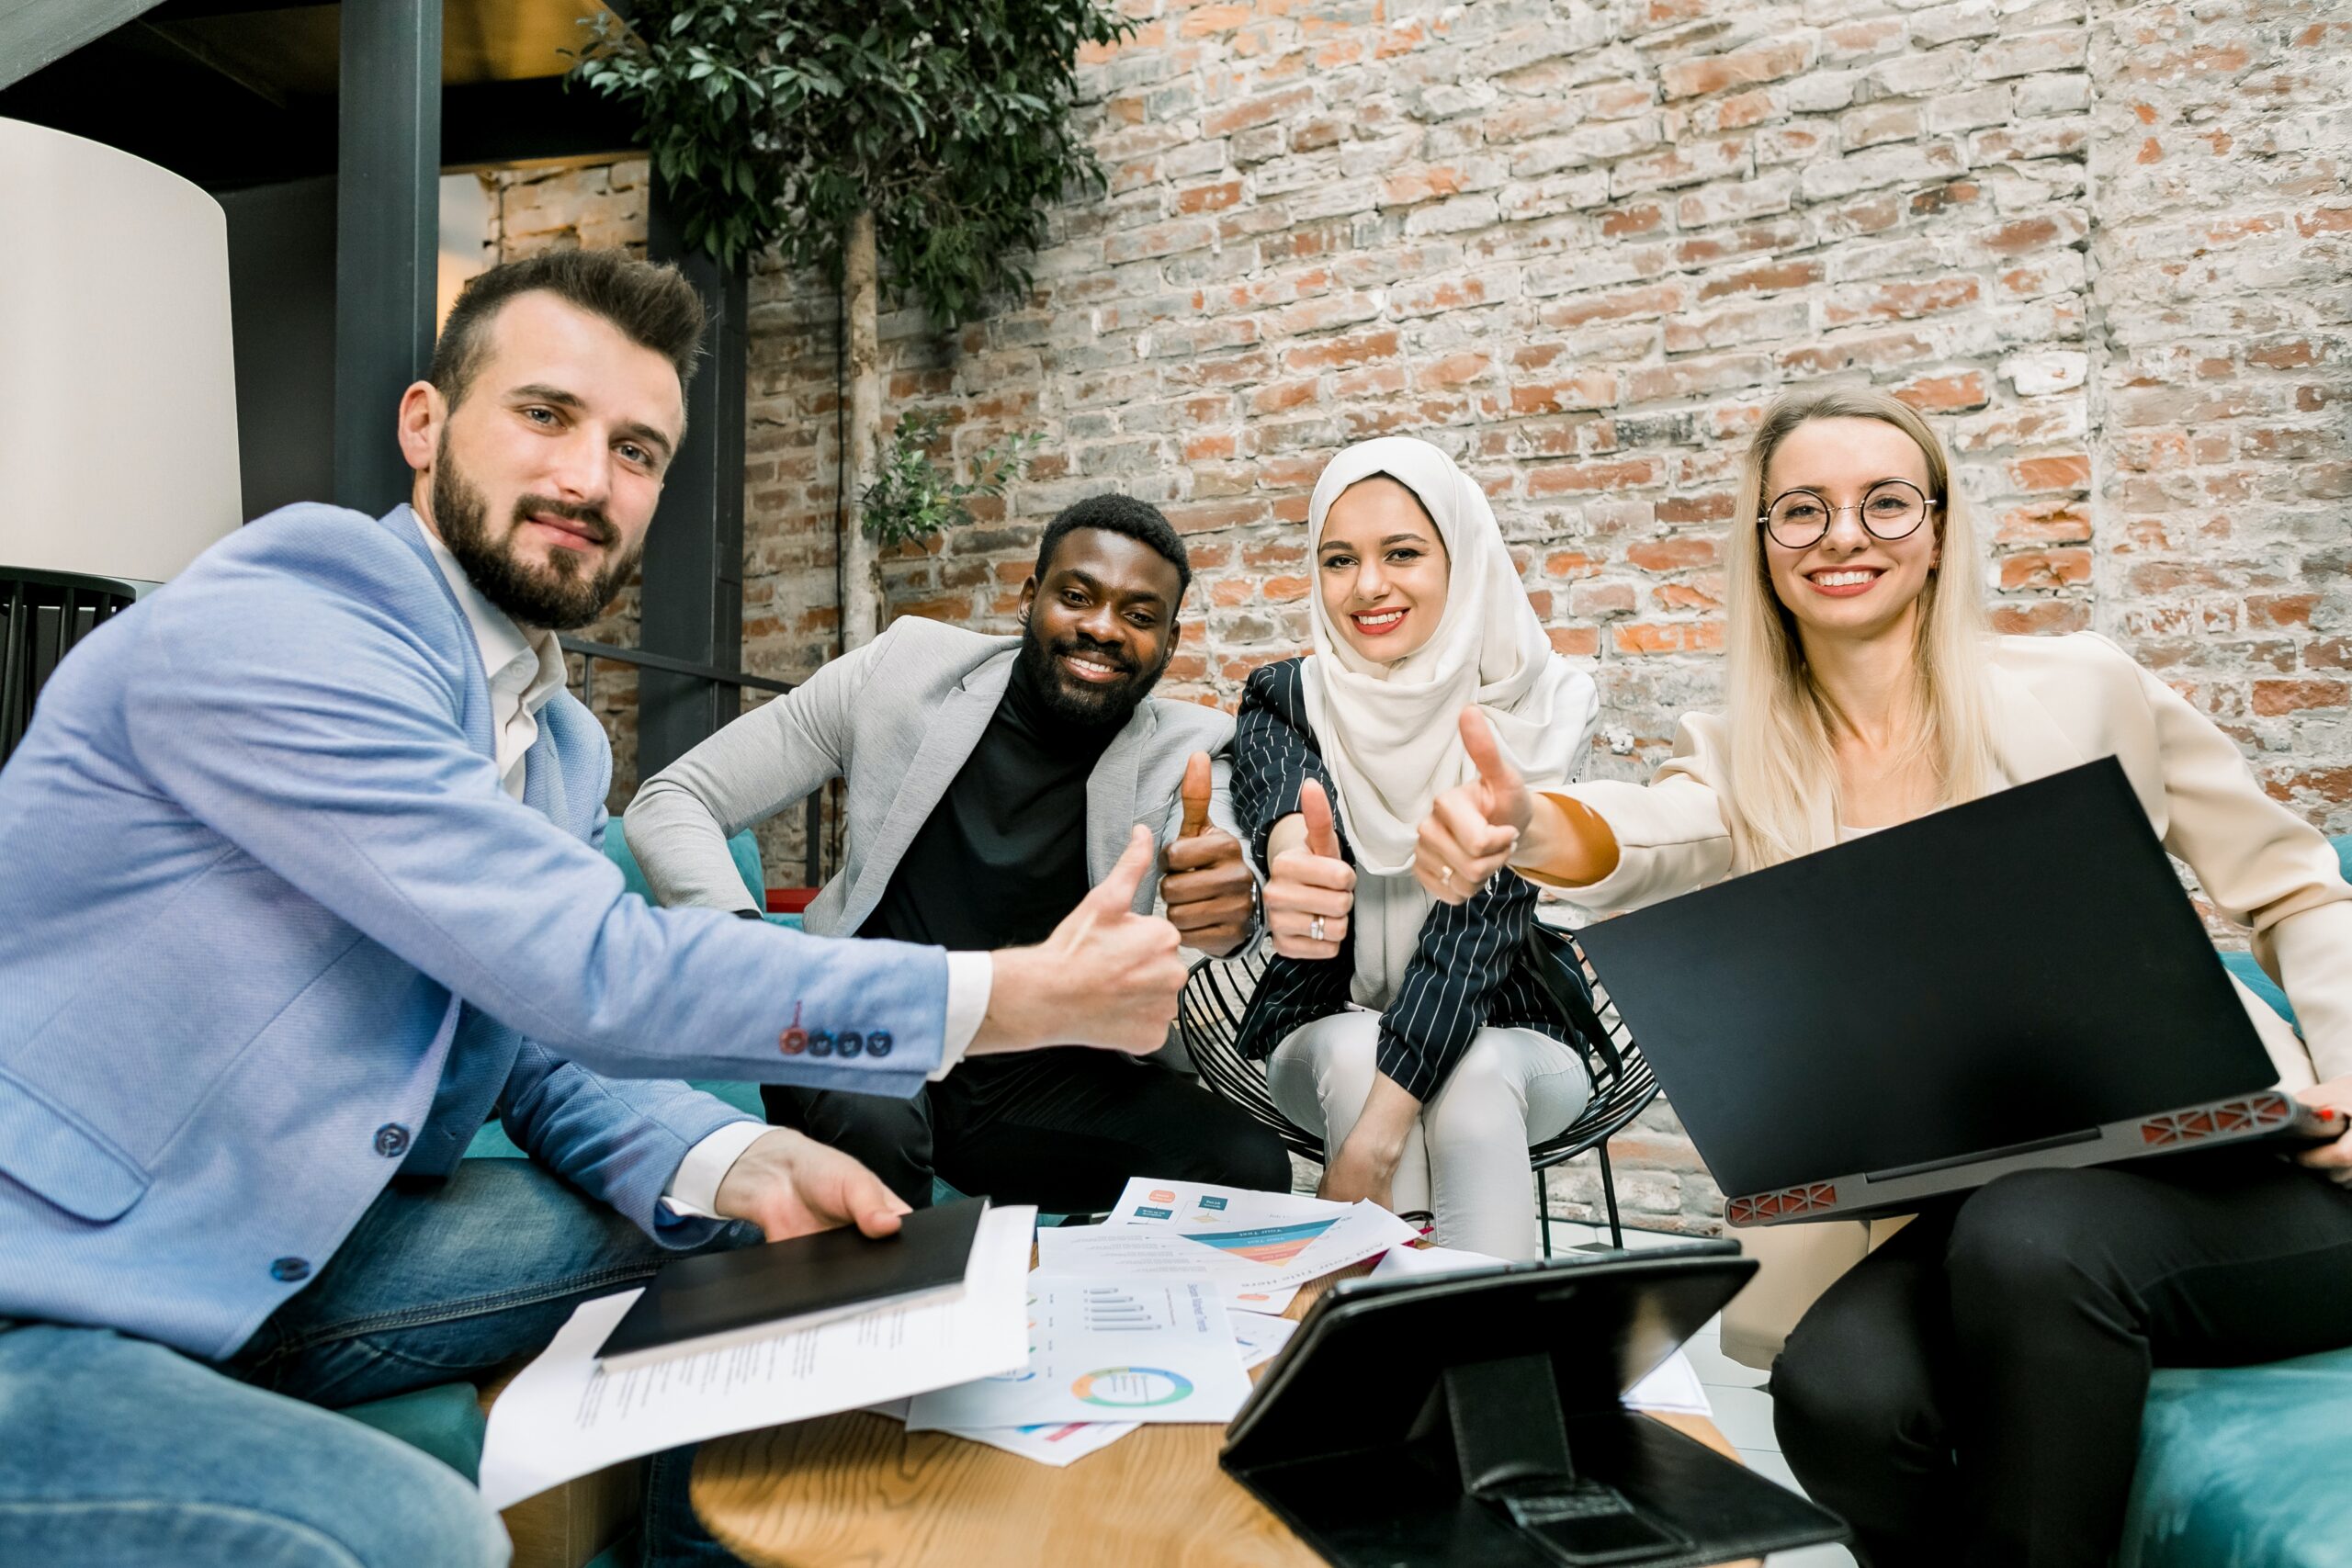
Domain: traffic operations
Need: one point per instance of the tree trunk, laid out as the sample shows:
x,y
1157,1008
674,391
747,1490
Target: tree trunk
x,y
861,581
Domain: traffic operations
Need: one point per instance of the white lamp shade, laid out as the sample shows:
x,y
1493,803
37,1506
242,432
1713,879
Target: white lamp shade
x,y
118,377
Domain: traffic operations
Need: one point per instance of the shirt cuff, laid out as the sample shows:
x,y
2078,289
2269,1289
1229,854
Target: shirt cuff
x,y
694,1189
969,977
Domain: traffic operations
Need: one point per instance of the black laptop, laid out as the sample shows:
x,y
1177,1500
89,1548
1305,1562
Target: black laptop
x,y
2014,983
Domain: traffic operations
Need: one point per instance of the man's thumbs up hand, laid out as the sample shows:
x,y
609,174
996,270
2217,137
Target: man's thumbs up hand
x,y
1210,894
1310,889
1472,828
1198,780
1107,977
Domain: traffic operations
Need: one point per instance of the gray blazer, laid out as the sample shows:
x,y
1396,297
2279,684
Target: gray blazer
x,y
896,718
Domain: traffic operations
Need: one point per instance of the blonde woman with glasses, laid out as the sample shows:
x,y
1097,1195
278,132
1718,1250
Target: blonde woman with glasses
x,y
1969,1393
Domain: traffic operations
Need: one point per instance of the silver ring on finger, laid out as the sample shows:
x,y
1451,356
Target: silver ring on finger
x,y
1314,928
1445,875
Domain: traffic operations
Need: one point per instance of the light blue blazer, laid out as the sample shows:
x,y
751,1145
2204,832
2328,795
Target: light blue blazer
x,y
270,931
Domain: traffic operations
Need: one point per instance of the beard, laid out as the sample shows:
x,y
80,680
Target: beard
x,y
562,594
1078,702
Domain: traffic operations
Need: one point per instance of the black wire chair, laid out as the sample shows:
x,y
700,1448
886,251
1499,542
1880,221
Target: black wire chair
x,y
1217,992
42,615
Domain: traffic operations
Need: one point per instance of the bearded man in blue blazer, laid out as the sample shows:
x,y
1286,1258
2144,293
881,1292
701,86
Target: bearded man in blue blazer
x,y
300,882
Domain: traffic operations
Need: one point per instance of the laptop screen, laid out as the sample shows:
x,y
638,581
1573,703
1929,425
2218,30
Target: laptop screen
x,y
2019,968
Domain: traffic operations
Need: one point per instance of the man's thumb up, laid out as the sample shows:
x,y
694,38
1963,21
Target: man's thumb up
x,y
1195,795
1322,836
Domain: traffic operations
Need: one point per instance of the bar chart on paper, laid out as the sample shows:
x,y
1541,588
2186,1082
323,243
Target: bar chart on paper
x,y
1118,1309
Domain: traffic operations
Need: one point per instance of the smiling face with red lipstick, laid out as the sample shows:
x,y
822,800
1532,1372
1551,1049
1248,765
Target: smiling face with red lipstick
x,y
1848,535
1380,569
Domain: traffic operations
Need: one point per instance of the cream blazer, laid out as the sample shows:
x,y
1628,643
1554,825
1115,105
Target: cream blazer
x,y
2056,703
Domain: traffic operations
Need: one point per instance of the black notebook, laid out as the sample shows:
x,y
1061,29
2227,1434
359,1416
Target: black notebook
x,y
722,1298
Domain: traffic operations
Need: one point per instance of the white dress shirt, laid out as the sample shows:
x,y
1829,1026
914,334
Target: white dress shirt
x,y
524,670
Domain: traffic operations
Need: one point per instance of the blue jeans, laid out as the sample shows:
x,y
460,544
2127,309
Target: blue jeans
x,y
120,1452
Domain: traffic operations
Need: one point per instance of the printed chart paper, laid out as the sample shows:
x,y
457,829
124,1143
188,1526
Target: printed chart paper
x,y
1291,1239
1106,1350
564,1416
1136,1252
1258,1337
1054,1443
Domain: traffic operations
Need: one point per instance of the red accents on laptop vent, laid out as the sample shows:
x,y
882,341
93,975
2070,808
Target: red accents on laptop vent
x,y
1813,1198
2257,1113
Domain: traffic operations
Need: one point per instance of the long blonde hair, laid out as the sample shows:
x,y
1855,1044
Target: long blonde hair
x,y
1783,760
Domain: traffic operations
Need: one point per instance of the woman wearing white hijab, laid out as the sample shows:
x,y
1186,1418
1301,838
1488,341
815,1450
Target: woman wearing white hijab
x,y
1412,1033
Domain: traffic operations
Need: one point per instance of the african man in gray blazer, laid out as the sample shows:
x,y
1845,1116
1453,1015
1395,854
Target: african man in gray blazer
x,y
992,783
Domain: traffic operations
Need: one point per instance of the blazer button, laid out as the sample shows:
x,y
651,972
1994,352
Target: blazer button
x,y
850,1042
793,1041
286,1271
391,1140
820,1043
879,1043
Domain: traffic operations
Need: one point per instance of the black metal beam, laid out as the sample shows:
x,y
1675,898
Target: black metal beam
x,y
387,231
692,593
486,124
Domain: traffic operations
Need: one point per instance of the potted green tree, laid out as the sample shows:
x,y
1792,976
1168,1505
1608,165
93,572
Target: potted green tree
x,y
913,138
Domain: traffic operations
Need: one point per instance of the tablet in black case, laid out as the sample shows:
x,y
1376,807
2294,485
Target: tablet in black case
x,y
703,1301
1472,1420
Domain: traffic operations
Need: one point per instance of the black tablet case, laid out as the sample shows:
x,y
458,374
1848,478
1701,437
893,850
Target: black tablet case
x,y
809,1276
1395,1423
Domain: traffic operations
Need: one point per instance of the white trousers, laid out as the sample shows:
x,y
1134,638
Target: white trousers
x,y
1466,1158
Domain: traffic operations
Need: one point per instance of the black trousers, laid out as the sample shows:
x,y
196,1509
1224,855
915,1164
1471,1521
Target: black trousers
x,y
1062,1128
1971,1392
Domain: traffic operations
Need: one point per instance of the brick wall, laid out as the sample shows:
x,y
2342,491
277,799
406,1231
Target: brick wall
x,y
595,207
1581,245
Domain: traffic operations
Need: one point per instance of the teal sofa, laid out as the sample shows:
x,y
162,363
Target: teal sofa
x,y
2246,1467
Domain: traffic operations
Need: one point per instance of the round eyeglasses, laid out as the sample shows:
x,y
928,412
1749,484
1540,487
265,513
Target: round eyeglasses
x,y
1891,509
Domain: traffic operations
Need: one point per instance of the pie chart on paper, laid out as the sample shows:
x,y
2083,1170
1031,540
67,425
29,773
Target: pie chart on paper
x,y
1132,1388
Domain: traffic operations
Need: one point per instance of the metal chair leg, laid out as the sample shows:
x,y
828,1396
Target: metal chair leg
x,y
1609,1195
1543,1210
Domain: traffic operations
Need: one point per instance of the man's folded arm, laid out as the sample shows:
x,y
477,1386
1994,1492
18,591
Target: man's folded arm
x,y
770,759
317,736
629,1142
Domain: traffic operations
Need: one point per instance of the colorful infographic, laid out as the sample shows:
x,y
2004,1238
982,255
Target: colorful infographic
x,y
1132,1388
1265,1244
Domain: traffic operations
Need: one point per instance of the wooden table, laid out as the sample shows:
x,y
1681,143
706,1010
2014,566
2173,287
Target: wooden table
x,y
860,1491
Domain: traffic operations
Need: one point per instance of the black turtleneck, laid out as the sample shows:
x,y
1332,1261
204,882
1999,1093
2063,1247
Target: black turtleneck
x,y
1002,857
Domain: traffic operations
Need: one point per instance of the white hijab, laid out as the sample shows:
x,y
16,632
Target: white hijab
x,y
1390,734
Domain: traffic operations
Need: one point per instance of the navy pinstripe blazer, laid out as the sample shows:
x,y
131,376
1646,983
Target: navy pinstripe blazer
x,y
1471,968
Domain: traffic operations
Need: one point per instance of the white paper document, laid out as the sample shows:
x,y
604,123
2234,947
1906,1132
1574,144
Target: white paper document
x,y
1292,1239
1258,1337
1430,1260
1674,1388
1054,1443
1133,1252
1106,1350
564,1416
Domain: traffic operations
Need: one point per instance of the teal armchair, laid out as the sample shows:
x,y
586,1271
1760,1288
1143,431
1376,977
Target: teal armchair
x,y
2246,1467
